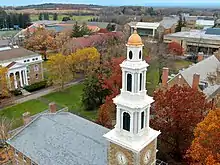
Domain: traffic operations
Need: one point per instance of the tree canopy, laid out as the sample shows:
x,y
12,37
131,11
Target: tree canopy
x,y
205,148
176,112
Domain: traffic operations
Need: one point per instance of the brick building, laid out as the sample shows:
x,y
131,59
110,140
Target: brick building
x,y
24,66
202,76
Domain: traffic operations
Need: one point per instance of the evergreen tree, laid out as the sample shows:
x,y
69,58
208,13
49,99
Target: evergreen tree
x,y
21,21
9,21
76,30
15,20
55,16
84,30
3,17
46,16
27,19
180,24
41,16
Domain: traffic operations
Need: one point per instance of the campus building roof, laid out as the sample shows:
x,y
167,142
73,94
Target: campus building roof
x,y
194,34
203,68
13,53
61,139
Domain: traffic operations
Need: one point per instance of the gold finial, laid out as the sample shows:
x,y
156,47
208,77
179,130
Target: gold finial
x,y
135,39
135,30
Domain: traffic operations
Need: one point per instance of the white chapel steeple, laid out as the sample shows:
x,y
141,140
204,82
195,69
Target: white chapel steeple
x,y
132,131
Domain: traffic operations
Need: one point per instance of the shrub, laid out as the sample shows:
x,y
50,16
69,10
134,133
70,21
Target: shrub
x,y
16,92
36,86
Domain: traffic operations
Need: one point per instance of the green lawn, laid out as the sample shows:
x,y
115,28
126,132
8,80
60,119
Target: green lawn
x,y
152,77
15,112
71,98
35,17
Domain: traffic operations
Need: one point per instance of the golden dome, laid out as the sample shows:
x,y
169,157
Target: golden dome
x,y
135,39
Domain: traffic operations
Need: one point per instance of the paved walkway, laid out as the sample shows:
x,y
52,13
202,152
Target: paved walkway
x,y
42,92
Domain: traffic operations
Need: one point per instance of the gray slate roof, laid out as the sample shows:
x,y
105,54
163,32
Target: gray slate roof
x,y
62,139
168,22
208,65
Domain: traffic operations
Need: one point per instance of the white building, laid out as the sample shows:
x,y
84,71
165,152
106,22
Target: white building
x,y
132,141
24,66
145,28
204,23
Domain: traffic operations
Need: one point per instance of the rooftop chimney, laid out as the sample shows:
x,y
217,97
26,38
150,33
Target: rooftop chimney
x,y
52,107
200,56
26,118
195,82
165,76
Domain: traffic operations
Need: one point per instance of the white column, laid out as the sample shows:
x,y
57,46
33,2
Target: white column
x,y
153,32
133,77
123,80
15,81
9,80
132,123
25,77
20,77
118,118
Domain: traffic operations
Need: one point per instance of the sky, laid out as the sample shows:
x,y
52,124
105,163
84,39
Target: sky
x,y
166,3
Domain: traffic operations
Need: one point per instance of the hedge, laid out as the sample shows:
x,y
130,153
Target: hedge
x,y
36,86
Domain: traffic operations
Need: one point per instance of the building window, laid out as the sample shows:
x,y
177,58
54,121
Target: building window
x,y
130,55
129,82
25,61
126,121
36,58
16,152
28,60
36,68
24,158
140,54
33,59
140,82
36,76
142,120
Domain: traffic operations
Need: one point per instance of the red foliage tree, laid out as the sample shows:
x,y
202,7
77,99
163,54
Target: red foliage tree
x,y
205,148
175,48
104,115
112,81
176,113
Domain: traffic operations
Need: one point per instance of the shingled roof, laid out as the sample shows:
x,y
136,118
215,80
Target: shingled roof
x,y
62,139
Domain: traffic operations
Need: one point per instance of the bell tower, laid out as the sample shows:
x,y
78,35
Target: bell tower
x,y
132,141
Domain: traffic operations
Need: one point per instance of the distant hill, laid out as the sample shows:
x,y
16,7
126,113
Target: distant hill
x,y
60,6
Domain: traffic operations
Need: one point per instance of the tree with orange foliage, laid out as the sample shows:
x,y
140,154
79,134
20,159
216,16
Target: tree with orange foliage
x,y
205,148
175,48
177,111
41,41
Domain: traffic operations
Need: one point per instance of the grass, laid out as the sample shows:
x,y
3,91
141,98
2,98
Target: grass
x,y
15,112
35,17
71,98
9,33
152,77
